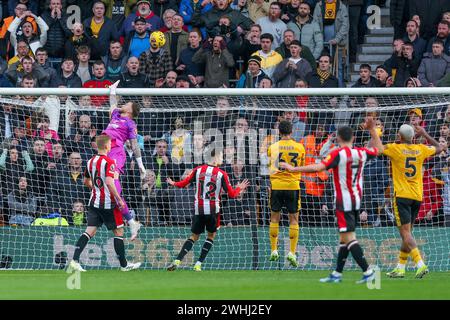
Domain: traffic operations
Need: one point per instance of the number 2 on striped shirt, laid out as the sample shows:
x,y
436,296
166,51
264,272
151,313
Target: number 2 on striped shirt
x,y
210,193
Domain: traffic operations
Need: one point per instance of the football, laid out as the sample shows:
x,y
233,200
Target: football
x,y
158,38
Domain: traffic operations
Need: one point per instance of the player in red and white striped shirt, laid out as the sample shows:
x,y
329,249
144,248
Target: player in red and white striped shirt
x,y
347,164
209,182
98,168
105,204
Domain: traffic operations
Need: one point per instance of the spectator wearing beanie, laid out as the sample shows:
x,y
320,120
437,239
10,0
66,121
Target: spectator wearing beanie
x,y
254,74
383,75
183,81
412,83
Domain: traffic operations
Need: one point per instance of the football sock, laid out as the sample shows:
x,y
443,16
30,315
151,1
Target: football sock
x,y
206,247
342,257
273,232
293,237
81,244
358,255
187,246
119,247
131,220
402,260
126,214
128,217
415,255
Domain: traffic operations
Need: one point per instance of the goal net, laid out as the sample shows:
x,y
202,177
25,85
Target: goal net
x,y
47,137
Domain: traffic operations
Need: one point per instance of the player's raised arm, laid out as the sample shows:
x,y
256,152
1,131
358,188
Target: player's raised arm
x,y
317,167
422,132
112,97
375,140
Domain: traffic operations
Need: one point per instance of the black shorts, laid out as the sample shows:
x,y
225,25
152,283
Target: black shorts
x,y
289,199
405,210
112,218
347,220
204,221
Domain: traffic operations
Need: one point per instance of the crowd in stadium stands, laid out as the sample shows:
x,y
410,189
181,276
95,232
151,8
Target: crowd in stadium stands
x,y
46,141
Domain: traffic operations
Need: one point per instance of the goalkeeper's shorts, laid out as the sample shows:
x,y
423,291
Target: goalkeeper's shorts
x,y
117,154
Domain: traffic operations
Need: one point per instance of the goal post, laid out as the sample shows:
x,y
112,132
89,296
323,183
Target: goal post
x,y
47,137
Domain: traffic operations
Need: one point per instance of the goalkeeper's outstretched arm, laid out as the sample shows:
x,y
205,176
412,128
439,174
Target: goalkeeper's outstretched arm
x,y
113,105
317,167
137,155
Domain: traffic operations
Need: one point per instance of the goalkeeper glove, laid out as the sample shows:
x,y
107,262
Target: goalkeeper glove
x,y
141,167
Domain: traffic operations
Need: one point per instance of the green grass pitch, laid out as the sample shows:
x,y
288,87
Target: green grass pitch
x,y
235,285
